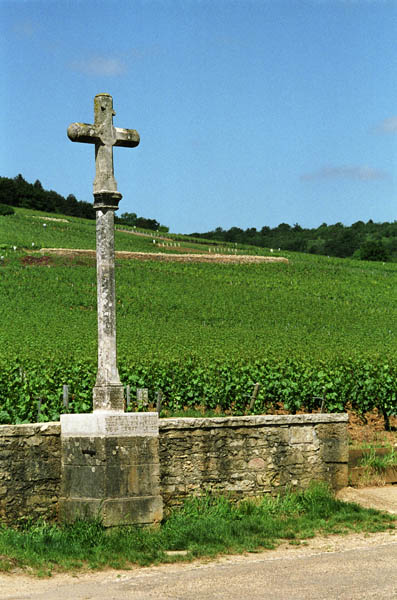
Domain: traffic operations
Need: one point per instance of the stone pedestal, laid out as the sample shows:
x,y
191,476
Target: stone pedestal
x,y
110,468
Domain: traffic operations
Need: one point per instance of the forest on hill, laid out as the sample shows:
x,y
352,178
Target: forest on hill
x,y
366,241
19,192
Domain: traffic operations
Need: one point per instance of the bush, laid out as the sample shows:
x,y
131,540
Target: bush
x,y
374,250
6,210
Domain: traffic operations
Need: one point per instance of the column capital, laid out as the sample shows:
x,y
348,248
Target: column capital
x,y
105,199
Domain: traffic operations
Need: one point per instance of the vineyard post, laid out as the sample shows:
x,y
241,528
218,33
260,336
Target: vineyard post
x,y
65,394
38,409
159,401
254,395
142,398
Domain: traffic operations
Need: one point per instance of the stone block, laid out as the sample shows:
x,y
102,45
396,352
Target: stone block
x,y
133,480
84,451
335,450
301,435
108,423
95,451
113,512
84,481
327,431
256,464
108,397
132,450
337,475
145,510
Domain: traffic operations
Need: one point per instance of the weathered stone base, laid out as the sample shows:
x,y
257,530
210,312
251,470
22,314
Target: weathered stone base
x,y
110,468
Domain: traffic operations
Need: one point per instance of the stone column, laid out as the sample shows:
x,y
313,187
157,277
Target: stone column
x,y
108,392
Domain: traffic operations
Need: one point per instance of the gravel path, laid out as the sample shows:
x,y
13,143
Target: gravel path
x,y
381,498
168,257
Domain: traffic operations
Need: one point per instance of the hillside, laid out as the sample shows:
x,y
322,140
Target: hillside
x,y
203,333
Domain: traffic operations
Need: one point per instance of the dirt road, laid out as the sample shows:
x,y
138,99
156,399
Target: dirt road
x,y
168,257
381,498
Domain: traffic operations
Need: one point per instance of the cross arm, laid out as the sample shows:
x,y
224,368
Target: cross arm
x,y
126,137
83,132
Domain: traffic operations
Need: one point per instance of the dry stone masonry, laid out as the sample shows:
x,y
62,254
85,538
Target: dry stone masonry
x,y
251,456
30,471
237,456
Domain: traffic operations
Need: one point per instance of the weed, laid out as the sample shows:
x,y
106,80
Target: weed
x,y
378,462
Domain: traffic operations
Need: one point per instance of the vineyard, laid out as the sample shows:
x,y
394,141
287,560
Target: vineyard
x,y
313,332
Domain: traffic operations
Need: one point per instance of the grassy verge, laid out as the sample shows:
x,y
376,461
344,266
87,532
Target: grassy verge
x,y
379,462
376,469
202,527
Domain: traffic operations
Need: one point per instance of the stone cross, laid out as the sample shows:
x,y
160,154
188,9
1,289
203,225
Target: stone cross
x,y
104,135
108,393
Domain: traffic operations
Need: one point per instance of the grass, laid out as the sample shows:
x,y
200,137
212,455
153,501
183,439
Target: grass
x,y
379,462
203,527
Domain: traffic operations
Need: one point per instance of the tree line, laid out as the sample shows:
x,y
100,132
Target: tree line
x,y
19,192
133,220
367,241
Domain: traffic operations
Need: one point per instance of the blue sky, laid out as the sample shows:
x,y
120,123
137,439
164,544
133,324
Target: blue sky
x,y
250,112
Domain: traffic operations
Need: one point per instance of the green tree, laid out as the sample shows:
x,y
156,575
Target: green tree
x,y
127,219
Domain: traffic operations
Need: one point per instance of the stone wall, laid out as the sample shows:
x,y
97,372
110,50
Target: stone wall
x,y
250,456
239,456
30,471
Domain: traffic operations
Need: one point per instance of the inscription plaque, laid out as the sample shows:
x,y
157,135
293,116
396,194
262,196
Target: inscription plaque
x,y
110,424
140,424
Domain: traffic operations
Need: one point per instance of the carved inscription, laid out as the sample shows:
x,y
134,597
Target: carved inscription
x,y
139,424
